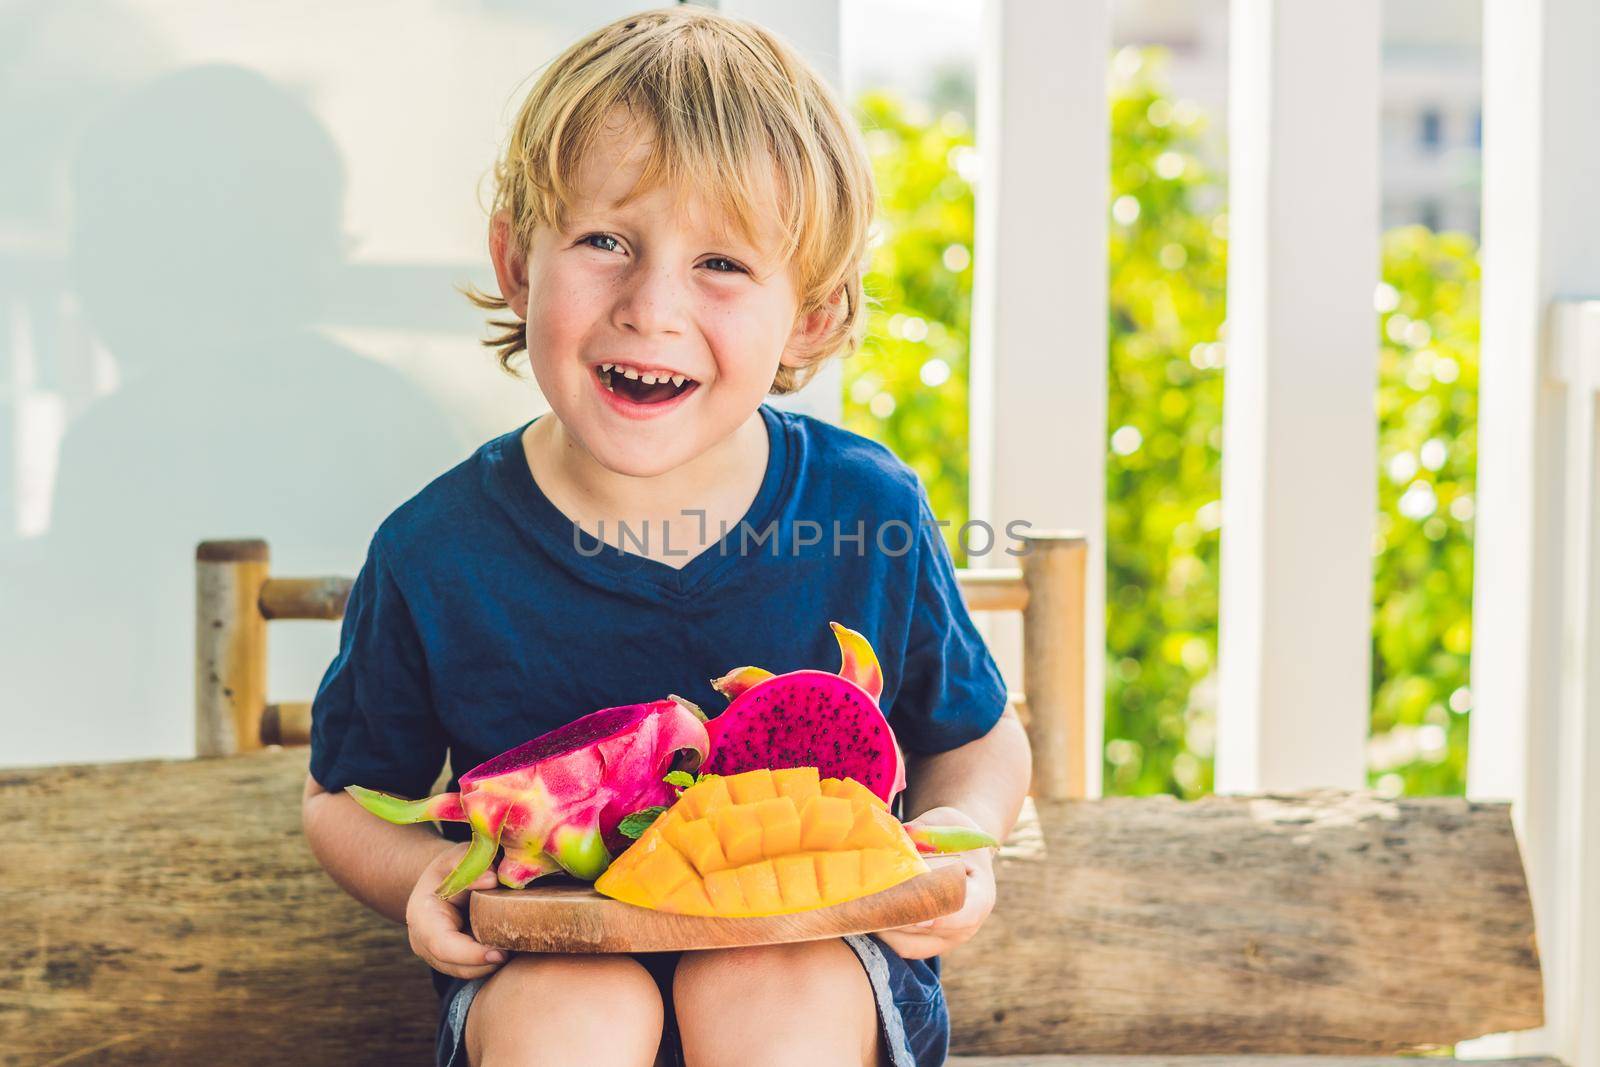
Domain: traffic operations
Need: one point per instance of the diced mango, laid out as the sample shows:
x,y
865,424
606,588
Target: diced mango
x,y
662,871
727,898
688,899
751,786
876,828
698,841
739,830
759,881
797,880
839,875
797,783
704,796
824,823
764,843
780,826
622,883
881,868
853,791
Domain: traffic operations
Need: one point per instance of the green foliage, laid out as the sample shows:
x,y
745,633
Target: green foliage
x,y
1168,282
1168,273
636,824
1428,456
908,386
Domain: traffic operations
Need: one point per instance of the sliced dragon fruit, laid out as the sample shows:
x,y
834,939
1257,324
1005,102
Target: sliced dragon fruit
x,y
810,718
555,802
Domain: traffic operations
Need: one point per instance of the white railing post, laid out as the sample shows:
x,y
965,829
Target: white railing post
x,y
1577,334
1550,765
1534,690
1299,481
1039,301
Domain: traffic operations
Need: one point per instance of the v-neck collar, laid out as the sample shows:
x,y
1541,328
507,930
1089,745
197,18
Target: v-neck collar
x,y
599,563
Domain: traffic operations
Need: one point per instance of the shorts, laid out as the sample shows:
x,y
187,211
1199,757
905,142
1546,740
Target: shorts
x,y
912,1016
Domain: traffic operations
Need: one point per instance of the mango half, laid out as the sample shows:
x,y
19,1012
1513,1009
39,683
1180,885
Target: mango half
x,y
764,843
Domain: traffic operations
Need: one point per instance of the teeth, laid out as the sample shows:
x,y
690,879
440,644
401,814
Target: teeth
x,y
645,379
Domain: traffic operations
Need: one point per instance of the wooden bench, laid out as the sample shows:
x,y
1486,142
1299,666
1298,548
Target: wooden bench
x,y
170,911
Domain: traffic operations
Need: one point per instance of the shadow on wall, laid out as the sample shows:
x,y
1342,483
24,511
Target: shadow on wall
x,y
206,229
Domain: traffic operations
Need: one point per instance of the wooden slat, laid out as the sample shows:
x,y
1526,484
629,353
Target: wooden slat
x,y
230,636
163,904
1054,572
1328,922
286,724
304,598
992,590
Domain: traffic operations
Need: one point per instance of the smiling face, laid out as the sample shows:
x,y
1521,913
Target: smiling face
x,y
624,295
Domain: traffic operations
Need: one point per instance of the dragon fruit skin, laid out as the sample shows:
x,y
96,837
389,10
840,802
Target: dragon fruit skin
x,y
554,803
810,718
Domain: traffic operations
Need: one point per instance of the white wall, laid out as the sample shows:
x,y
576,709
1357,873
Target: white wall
x,y
229,236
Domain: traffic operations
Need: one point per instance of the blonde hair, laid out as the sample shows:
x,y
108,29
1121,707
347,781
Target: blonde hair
x,y
725,100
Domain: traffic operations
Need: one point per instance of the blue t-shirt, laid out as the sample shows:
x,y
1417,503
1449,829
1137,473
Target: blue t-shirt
x,y
484,617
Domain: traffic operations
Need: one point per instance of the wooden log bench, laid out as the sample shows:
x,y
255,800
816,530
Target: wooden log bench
x,y
170,911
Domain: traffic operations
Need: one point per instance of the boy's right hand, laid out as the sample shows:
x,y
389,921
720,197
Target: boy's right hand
x,y
436,926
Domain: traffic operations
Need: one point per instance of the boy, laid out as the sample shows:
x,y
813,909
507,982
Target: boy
x,y
679,229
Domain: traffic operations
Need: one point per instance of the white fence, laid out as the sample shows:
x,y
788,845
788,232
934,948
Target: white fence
x,y
1300,432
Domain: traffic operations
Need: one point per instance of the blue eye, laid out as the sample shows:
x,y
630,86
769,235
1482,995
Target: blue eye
x,y
598,237
720,259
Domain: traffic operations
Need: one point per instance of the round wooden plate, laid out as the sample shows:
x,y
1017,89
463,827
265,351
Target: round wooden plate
x,y
574,918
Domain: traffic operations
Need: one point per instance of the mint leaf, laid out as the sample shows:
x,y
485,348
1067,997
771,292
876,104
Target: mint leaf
x,y
636,824
681,779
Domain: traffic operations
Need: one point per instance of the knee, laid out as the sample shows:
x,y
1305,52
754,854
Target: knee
x,y
575,979
801,972
804,1003
595,1009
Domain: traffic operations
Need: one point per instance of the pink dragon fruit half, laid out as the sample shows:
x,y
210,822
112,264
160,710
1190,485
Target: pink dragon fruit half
x,y
554,803
810,718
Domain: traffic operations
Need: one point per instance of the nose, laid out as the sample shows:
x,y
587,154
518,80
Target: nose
x,y
652,300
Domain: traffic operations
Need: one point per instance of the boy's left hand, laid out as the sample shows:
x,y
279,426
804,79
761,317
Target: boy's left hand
x,y
937,936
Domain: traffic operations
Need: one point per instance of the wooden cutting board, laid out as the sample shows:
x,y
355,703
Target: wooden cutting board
x,y
574,918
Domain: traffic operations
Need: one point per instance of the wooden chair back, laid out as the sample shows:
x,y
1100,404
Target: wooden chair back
x,y
236,596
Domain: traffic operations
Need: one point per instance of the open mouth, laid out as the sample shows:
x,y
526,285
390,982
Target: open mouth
x,y
642,388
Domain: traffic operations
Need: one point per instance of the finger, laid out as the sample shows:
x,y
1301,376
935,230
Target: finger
x,y
972,913
469,973
487,880
455,910
924,943
458,949
909,946
443,939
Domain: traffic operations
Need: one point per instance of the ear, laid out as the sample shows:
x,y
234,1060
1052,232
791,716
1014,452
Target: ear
x,y
810,329
510,264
